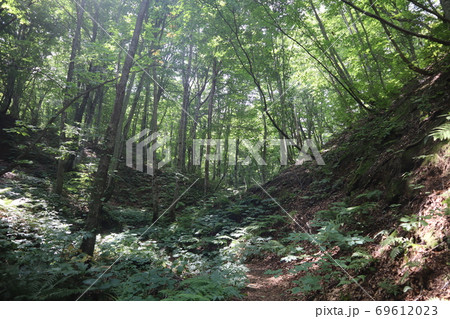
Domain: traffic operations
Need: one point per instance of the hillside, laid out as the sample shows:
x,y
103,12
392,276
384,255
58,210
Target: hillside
x,y
386,180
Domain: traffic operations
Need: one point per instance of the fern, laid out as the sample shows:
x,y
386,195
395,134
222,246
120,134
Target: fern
x,y
398,244
62,294
390,287
187,297
392,240
203,288
442,132
395,252
308,284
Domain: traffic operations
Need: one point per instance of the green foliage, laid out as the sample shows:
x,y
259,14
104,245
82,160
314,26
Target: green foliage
x,y
200,254
180,262
21,129
370,195
333,228
204,288
129,216
308,284
398,244
360,259
331,225
442,132
390,287
413,222
260,246
35,260
145,285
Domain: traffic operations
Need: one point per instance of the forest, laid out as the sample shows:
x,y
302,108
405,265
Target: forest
x,y
194,150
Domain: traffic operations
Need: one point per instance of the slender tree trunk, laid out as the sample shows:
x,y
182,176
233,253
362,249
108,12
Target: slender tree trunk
x,y
369,45
334,56
264,151
119,139
236,164
9,89
157,94
69,82
36,111
100,180
186,76
18,91
134,104
144,120
98,117
353,30
210,113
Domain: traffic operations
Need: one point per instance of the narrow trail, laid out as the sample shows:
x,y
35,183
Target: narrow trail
x,y
263,287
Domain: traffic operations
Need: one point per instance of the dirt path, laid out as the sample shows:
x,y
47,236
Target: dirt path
x,y
266,287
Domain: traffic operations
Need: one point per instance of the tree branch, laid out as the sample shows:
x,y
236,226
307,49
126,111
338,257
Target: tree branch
x,y
394,26
432,11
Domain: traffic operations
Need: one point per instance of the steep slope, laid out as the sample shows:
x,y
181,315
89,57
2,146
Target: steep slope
x,y
386,186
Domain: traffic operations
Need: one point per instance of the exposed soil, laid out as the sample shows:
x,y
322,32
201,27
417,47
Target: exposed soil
x,y
263,287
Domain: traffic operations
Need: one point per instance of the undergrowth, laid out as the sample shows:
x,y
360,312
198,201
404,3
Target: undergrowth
x,y
199,257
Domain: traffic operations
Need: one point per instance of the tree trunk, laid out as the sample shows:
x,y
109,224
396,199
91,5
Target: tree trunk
x,y
95,207
118,143
210,112
9,89
157,94
98,116
446,8
182,130
70,74
369,45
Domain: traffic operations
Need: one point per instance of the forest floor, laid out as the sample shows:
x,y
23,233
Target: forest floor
x,y
262,286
